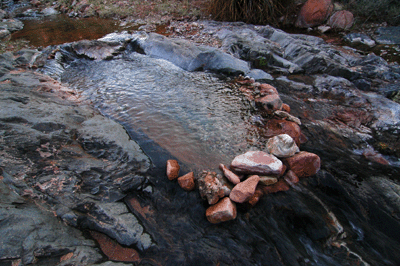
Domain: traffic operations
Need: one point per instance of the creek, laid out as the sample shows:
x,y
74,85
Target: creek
x,y
347,214
338,217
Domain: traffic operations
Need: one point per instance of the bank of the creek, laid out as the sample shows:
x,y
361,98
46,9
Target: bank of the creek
x,y
87,127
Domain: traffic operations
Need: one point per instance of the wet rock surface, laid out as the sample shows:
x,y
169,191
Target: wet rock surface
x,y
65,159
85,170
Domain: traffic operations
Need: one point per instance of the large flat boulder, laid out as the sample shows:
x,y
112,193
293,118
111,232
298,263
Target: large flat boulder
x,y
257,162
191,57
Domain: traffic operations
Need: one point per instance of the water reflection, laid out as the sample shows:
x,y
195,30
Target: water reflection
x,y
197,117
61,29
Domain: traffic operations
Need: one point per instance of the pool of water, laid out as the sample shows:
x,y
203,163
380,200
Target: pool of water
x,y
63,29
198,117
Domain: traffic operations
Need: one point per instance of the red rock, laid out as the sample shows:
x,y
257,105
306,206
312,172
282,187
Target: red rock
x,y
314,13
172,169
256,197
268,180
266,89
304,164
243,191
231,176
341,20
280,186
291,178
270,102
286,108
374,156
274,127
257,162
302,139
224,210
187,181
210,187
113,250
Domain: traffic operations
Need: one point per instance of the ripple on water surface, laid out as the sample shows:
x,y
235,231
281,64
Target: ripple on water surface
x,y
196,117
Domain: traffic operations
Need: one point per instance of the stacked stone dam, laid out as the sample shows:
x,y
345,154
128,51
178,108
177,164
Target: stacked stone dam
x,y
254,173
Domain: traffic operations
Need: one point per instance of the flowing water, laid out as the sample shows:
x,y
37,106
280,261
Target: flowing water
x,y
197,117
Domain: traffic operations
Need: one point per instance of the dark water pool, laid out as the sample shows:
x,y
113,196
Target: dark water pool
x,y
62,29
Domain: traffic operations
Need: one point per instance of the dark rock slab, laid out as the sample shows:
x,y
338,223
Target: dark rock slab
x,y
76,161
388,35
28,233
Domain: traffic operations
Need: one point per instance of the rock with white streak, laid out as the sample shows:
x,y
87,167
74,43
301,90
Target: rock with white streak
x,y
257,162
282,146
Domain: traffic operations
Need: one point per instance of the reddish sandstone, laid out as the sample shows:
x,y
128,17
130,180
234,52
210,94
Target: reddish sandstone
x,y
342,19
280,186
231,176
256,197
266,89
243,191
286,108
187,181
274,127
269,102
304,164
172,169
224,210
314,13
113,250
291,178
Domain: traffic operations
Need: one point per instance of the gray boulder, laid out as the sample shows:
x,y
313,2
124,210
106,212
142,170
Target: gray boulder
x,y
191,57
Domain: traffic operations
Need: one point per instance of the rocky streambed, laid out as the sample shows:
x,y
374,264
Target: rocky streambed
x,y
78,188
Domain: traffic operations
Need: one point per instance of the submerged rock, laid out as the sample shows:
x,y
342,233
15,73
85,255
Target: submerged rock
x,y
257,162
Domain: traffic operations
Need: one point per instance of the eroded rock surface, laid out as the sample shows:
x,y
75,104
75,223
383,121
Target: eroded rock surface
x,y
61,153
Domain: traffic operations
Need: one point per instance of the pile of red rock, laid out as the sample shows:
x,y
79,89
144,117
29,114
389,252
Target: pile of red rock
x,y
254,173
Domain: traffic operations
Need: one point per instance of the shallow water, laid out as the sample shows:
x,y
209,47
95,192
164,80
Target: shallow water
x,y
197,117
61,29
